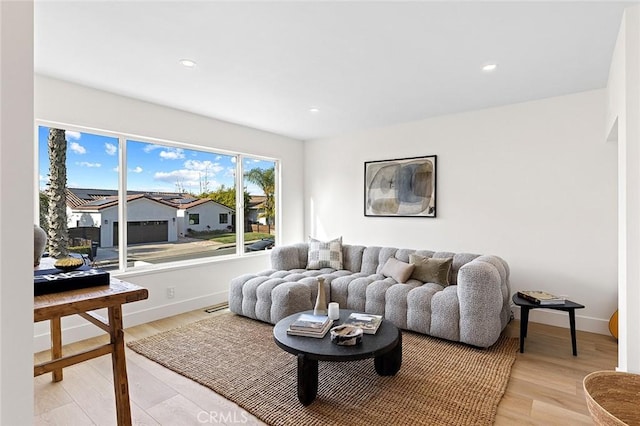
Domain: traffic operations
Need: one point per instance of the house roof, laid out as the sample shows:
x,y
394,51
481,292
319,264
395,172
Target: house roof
x,y
99,199
107,202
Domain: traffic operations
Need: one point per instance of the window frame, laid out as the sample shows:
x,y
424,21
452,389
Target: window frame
x,y
123,137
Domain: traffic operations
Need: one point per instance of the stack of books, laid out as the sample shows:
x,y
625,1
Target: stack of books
x,y
309,325
369,323
541,297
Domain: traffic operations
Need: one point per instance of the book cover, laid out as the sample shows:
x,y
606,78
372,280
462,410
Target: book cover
x,y
541,297
369,323
54,280
309,322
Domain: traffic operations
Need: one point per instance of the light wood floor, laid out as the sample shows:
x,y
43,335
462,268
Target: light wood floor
x,y
545,387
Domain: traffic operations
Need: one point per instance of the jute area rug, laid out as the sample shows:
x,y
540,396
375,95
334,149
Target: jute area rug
x,y
440,382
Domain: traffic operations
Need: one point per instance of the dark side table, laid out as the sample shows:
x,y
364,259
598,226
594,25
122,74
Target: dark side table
x,y
526,306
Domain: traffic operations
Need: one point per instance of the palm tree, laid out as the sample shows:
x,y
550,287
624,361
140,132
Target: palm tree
x,y
57,209
265,179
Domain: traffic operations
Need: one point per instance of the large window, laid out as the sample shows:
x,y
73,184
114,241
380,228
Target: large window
x,y
179,203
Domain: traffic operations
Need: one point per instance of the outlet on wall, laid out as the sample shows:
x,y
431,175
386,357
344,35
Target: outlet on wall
x,y
171,292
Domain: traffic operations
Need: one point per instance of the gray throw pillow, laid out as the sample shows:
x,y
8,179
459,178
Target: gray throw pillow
x,y
397,270
325,254
430,270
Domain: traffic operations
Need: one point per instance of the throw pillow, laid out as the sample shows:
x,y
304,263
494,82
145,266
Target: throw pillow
x,y
325,254
430,270
397,270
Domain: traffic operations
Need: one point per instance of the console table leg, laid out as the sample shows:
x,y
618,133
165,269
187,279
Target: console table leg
x,y
56,346
389,364
572,325
524,323
307,379
123,407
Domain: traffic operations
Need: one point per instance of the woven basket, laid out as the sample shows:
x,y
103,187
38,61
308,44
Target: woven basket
x,y
613,398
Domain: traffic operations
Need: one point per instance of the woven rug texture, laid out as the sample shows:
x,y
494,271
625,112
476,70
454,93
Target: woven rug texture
x,y
440,382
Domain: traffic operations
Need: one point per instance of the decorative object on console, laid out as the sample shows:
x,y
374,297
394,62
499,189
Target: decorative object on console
x,y
67,264
430,270
402,187
325,254
39,244
321,299
346,335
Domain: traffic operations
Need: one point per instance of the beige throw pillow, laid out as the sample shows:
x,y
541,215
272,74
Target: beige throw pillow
x,y
430,270
397,270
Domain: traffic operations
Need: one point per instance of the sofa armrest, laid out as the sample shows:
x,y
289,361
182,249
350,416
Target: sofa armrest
x,y
483,293
285,258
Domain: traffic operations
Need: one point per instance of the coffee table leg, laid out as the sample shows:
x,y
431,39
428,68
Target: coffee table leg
x,y
524,324
307,379
389,363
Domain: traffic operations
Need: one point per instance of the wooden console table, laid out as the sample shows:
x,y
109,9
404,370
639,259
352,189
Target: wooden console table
x,y
82,302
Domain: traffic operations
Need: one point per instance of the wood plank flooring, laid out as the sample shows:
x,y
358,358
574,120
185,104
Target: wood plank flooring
x,y
545,386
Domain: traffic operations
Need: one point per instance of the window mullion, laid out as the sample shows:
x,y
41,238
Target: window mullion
x,y
122,203
240,205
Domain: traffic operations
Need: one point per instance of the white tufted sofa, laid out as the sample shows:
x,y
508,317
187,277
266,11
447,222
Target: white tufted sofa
x,y
474,309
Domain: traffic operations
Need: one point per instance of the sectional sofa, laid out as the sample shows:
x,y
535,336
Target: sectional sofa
x,y
456,296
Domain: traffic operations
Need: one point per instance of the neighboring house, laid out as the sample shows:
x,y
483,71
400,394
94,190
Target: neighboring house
x,y
204,215
256,209
151,216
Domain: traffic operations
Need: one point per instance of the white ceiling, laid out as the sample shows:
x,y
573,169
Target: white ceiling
x,y
363,64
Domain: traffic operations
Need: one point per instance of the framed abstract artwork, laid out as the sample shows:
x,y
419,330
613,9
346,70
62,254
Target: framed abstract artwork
x,y
402,187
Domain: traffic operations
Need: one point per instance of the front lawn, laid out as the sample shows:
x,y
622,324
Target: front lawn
x,y
229,238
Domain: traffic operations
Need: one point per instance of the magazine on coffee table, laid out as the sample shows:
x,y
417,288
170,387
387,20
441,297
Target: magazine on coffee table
x,y
369,323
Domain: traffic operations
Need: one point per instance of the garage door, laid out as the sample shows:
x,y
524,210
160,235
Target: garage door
x,y
151,231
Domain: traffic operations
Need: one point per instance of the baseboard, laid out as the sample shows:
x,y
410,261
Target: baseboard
x,y
84,331
561,319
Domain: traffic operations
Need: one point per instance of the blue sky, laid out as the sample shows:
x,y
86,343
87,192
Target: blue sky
x,y
92,162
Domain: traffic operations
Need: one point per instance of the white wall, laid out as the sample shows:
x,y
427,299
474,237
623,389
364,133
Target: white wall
x,y
623,127
16,184
534,183
199,285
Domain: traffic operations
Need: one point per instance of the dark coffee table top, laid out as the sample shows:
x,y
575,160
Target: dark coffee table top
x,y
386,338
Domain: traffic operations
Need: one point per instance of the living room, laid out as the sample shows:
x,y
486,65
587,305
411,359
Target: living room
x,y
534,181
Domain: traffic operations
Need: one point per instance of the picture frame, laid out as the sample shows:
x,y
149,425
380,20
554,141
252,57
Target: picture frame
x,y
404,187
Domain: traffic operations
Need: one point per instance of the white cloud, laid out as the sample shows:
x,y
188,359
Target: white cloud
x,y
77,148
202,166
187,178
172,154
138,169
167,153
72,135
88,164
233,160
116,168
110,148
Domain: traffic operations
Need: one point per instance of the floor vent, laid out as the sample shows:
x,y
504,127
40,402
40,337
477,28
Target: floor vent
x,y
216,308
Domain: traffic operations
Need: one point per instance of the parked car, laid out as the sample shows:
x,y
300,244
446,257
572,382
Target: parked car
x,y
263,244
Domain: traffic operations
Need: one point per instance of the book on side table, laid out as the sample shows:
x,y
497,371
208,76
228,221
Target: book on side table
x,y
369,323
308,325
541,297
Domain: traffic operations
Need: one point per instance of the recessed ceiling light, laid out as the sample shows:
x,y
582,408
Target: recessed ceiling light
x,y
314,110
489,67
187,63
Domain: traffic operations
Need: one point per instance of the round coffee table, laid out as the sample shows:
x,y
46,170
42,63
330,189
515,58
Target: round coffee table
x,y
385,347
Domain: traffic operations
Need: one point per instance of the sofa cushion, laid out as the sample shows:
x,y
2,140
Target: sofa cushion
x,y
430,270
325,254
399,271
